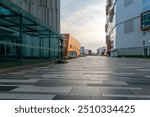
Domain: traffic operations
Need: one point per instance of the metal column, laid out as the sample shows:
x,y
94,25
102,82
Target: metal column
x,y
20,41
62,55
49,45
40,45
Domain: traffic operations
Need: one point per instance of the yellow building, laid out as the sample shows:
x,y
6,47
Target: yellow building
x,y
72,46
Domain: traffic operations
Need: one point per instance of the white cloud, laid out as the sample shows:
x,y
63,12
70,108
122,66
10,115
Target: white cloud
x,y
87,25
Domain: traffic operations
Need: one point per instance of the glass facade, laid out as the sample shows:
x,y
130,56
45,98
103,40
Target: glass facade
x,y
145,21
24,36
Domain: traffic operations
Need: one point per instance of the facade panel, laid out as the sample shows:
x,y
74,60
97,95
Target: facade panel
x,y
125,32
24,36
31,6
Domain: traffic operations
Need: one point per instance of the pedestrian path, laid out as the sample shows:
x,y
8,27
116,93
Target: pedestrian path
x,y
87,78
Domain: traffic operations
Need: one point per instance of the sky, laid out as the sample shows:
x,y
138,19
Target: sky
x,y
85,20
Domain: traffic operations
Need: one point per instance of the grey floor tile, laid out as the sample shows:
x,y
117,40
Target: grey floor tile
x,y
56,89
100,85
27,89
8,96
108,98
117,91
7,88
115,82
88,91
119,95
49,83
141,92
18,81
71,97
102,78
35,97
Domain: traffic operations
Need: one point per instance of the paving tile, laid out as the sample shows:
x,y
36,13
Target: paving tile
x,y
8,78
27,89
120,87
141,92
138,83
32,76
71,97
115,82
35,97
137,98
89,91
56,89
18,81
49,83
12,76
143,70
143,96
8,96
118,95
108,98
117,91
124,74
94,82
7,88
147,76
74,84
101,79
100,85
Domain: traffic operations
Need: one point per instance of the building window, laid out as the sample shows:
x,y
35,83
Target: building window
x,y
70,46
145,21
143,42
128,2
129,26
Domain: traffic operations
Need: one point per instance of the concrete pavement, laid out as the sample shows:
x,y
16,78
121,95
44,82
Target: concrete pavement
x,y
87,78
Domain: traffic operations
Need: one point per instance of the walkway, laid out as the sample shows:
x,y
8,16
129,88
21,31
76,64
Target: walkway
x,y
87,78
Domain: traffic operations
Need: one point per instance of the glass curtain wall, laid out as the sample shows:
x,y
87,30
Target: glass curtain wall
x,y
23,37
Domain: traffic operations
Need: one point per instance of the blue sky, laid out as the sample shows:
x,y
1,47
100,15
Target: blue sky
x,y
85,20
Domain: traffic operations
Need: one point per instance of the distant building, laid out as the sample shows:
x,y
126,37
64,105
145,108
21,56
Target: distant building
x,y
90,52
72,46
101,51
128,27
82,51
86,52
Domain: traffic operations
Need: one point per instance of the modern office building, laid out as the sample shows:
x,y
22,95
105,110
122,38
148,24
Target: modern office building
x,y
30,29
72,46
101,51
86,52
127,27
48,11
82,51
90,52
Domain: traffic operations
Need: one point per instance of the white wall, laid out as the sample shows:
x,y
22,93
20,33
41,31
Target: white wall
x,y
123,14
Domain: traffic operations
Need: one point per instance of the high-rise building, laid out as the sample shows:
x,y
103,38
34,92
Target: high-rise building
x,y
127,27
48,11
30,29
